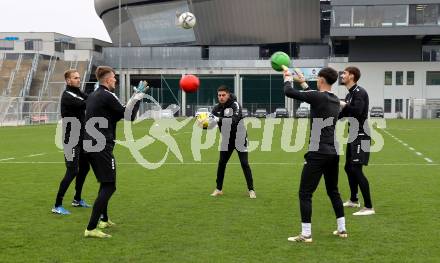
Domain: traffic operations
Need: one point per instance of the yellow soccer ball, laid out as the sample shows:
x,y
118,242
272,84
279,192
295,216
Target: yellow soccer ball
x,y
203,120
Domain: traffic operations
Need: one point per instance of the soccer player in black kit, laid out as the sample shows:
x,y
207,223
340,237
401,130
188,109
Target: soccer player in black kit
x,y
321,158
227,114
105,109
73,105
357,153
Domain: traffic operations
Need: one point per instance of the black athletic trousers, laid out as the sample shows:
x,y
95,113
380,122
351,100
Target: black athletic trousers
x,y
106,191
316,165
357,178
77,168
224,158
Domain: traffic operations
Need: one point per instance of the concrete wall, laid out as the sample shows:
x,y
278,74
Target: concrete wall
x,y
373,80
391,49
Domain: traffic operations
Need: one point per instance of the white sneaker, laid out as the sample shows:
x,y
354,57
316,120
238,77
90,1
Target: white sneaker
x,y
350,203
252,194
300,238
341,234
217,192
365,212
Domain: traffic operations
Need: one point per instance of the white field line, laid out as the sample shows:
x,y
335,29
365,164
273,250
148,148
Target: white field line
x,y
233,163
7,159
409,147
37,154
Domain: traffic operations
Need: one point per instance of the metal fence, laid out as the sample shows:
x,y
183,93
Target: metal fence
x,y
424,109
16,111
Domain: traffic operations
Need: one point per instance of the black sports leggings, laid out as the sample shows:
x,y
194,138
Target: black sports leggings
x,y
106,191
224,158
357,178
315,166
78,168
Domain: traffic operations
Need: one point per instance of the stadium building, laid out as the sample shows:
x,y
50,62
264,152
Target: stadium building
x,y
234,45
395,43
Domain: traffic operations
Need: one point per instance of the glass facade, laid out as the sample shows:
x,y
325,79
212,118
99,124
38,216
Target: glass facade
x,y
431,53
398,105
386,15
410,78
388,78
433,78
399,77
424,14
156,23
387,105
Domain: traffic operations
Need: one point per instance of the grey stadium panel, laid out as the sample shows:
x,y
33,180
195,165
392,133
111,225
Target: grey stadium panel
x,y
219,22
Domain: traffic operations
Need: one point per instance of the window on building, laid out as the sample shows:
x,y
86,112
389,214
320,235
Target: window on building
x,y
399,77
33,44
388,78
98,48
58,47
387,105
6,44
61,45
395,15
410,78
28,44
424,14
431,53
359,16
387,15
398,105
342,16
433,78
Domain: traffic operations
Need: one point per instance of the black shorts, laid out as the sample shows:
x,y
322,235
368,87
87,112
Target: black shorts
x,y
78,156
103,165
358,152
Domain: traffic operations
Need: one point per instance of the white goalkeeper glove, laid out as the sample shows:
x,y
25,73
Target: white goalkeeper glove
x,y
142,87
214,118
297,76
342,104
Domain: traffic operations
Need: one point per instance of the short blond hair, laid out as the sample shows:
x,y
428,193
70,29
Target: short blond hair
x,y
69,73
102,71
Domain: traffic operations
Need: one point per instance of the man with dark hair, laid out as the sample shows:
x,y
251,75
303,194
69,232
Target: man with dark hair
x,y
104,107
227,114
73,105
321,158
356,155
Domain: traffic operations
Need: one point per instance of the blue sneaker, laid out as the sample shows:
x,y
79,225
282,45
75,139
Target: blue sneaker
x,y
60,210
80,203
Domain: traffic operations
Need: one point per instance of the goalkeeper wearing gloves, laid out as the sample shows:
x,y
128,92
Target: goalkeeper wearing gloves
x,y
103,105
321,158
227,114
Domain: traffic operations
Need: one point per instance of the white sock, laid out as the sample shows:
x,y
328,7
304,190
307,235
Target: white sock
x,y
306,229
341,224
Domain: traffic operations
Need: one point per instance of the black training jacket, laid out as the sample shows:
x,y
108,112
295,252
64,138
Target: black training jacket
x,y
73,104
104,103
323,105
357,105
230,109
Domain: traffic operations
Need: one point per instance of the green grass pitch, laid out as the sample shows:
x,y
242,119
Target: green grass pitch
x,y
167,215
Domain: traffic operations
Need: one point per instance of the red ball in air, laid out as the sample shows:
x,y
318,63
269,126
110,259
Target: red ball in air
x,y
189,83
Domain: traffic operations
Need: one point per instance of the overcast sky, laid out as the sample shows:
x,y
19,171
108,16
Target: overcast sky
x,y
75,18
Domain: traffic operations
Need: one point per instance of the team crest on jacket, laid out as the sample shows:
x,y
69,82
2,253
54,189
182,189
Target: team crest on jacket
x,y
228,112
